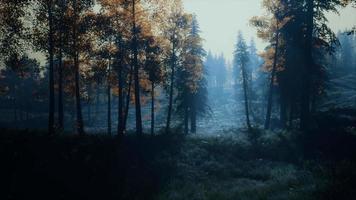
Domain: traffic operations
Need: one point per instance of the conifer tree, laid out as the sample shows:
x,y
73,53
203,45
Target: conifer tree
x,y
241,59
192,84
176,28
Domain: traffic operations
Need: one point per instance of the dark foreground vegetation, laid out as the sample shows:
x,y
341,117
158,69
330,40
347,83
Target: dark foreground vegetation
x,y
238,165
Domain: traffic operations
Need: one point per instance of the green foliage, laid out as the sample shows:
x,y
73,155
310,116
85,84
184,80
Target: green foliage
x,y
241,55
191,77
13,33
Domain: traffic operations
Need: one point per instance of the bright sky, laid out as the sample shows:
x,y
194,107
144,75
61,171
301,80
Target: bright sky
x,y
220,20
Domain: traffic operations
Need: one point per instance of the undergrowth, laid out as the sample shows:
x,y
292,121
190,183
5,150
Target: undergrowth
x,y
235,164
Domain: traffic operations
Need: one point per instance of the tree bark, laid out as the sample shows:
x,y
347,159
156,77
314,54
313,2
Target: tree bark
x,y
128,97
120,126
170,103
136,75
15,110
305,102
283,112
109,99
245,95
193,112
97,101
60,72
51,66
273,75
89,102
291,115
152,108
80,124
186,120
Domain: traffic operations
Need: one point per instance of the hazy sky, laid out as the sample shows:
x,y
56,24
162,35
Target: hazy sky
x,y
220,21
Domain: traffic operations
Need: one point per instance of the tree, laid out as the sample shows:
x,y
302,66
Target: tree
x,y
61,39
112,23
153,67
199,96
140,28
78,9
346,53
191,78
217,71
305,39
109,96
274,70
241,59
253,70
177,24
13,31
45,15
136,69
19,84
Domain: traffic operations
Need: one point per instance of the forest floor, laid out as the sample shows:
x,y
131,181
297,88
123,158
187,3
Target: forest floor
x,y
235,164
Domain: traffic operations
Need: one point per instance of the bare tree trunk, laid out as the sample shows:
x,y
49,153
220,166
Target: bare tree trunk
x,y
170,103
97,101
51,66
305,103
120,126
80,124
186,120
136,75
291,115
27,110
128,97
60,71
245,95
283,112
152,108
89,102
15,110
109,99
273,75
193,113
21,110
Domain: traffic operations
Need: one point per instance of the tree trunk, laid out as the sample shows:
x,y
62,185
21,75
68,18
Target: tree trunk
x,y
153,108
120,126
273,75
170,103
186,120
291,115
80,124
21,110
60,73
89,102
109,100
51,65
193,117
97,101
283,112
305,102
245,95
136,75
128,97
27,110
15,111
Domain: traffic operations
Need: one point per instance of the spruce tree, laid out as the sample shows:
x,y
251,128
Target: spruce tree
x,y
241,59
192,83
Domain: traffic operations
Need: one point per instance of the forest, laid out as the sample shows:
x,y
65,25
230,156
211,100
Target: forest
x,y
122,99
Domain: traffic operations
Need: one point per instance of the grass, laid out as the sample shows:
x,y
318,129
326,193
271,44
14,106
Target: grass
x,y
235,165
230,168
